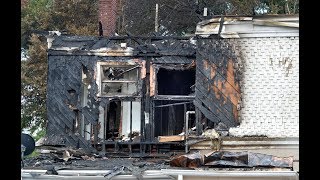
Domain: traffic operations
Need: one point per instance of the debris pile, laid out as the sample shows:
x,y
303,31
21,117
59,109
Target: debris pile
x,y
54,159
188,160
231,159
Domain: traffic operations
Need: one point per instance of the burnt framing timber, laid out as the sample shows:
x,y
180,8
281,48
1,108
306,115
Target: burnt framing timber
x,y
72,88
217,81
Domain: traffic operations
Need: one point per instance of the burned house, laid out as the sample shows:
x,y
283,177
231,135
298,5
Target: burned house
x,y
237,75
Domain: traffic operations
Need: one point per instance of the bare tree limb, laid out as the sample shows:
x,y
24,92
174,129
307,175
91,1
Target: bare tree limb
x,y
294,7
287,5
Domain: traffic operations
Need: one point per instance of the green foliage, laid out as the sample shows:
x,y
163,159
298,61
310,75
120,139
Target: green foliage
x,y
35,153
282,6
77,17
35,16
39,135
33,86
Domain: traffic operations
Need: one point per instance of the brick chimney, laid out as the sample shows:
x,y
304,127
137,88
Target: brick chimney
x,y
108,16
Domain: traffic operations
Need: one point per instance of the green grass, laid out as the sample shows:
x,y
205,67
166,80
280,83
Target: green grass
x,y
35,153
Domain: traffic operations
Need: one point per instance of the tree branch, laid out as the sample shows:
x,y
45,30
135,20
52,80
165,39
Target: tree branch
x,y
287,5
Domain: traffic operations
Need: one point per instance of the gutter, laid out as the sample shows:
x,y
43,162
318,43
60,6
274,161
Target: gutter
x,y
200,174
163,174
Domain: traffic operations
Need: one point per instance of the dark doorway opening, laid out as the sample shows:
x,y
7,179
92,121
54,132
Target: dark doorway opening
x,y
113,120
169,120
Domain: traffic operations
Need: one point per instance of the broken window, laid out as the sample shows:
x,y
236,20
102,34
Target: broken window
x,y
173,97
175,82
170,117
118,79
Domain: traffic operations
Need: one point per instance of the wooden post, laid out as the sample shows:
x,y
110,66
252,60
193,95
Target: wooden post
x,y
142,122
185,127
172,121
95,131
198,114
147,104
104,127
152,121
130,121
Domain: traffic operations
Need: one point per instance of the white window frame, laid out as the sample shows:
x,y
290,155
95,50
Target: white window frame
x,y
119,64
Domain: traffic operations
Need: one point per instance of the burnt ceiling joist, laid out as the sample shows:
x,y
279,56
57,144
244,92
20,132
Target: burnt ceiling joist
x,y
123,46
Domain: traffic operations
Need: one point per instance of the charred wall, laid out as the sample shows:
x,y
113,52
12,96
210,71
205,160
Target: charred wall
x,y
64,97
218,77
72,56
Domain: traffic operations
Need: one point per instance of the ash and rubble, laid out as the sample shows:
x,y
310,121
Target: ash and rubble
x,y
69,158
216,161
55,161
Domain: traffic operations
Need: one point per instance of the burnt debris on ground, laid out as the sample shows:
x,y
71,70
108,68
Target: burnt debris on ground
x,y
61,160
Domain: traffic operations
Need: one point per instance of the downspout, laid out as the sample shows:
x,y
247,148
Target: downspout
x,y
187,129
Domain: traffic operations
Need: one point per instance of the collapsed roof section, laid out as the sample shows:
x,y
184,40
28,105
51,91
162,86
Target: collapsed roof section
x,y
123,46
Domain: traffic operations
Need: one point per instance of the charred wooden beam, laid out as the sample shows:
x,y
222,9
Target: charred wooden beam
x,y
122,98
89,115
172,120
173,97
204,80
206,112
173,104
214,117
198,120
130,120
95,131
105,126
213,106
217,81
152,121
118,54
142,116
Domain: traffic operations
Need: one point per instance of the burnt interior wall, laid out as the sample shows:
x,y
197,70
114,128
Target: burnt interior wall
x,y
175,82
177,79
169,120
218,76
113,121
